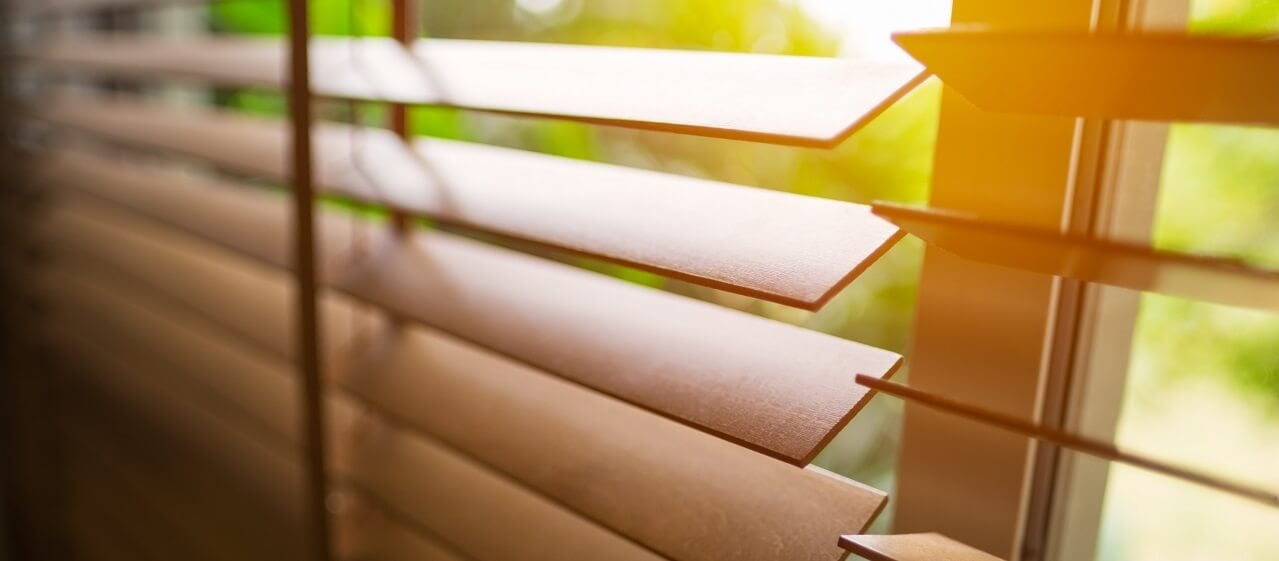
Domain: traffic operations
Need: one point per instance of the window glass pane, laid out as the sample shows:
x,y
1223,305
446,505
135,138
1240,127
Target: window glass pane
x,y
1203,386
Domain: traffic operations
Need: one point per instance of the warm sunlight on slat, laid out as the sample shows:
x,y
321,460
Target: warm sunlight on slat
x,y
772,387
786,248
1150,76
814,101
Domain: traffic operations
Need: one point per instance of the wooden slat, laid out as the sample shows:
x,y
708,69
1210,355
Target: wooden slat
x,y
98,501
198,483
1223,281
912,547
777,389
482,513
811,101
787,248
165,512
686,496
380,539
651,479
70,7
251,467
245,481
1147,76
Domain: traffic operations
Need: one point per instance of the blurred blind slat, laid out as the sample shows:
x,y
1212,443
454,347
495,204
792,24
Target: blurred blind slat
x,y
480,512
170,471
912,547
1224,281
1216,79
778,389
783,99
72,7
786,248
509,416
163,511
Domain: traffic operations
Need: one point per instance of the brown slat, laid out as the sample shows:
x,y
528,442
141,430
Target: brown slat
x,y
1149,76
164,511
651,479
252,467
772,387
482,513
380,539
174,472
91,500
912,547
248,487
791,249
811,101
1224,281
67,7
687,496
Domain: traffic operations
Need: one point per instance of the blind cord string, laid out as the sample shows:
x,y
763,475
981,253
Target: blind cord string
x,y
360,330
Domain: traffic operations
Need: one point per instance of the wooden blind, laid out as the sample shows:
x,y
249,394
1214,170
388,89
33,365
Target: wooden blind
x,y
481,403
485,403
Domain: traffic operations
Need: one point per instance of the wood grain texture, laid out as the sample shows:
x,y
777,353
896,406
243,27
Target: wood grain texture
x,y
796,250
777,389
1222,281
811,101
684,495
912,547
650,479
1146,76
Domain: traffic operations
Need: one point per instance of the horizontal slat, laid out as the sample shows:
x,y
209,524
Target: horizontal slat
x,y
252,468
778,389
1149,76
813,101
234,475
649,478
133,331
381,539
912,547
782,247
90,495
176,470
69,7
685,495
480,512
1222,281
140,488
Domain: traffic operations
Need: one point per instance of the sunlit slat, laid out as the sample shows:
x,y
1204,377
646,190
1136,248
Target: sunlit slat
x,y
1223,281
1146,76
512,417
782,247
814,101
777,389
